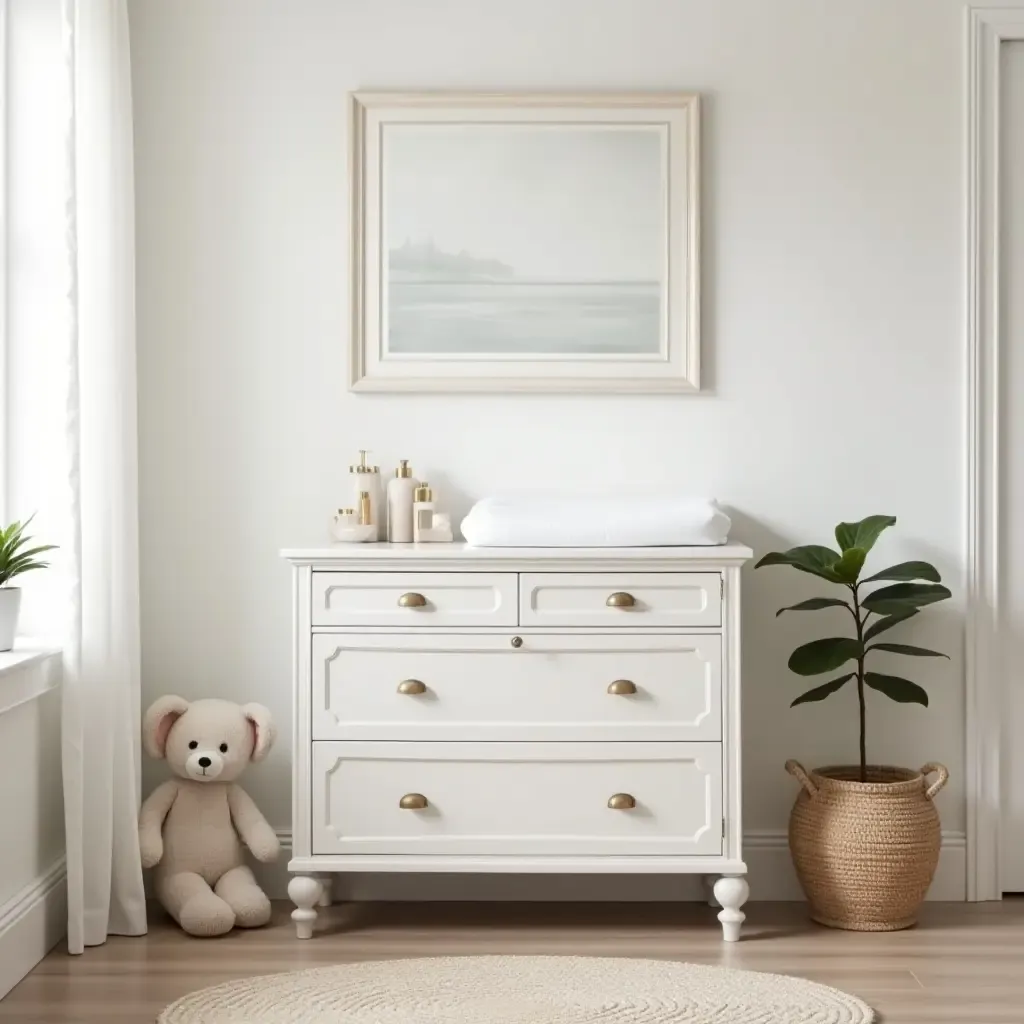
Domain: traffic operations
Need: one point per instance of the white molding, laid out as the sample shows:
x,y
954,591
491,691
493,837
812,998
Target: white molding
x,y
302,652
732,716
465,558
32,922
987,30
675,368
27,673
769,871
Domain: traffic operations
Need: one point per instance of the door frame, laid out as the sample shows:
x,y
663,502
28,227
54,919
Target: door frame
x,y
987,30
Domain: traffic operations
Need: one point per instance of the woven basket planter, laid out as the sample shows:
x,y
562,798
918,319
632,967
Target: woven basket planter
x,y
865,852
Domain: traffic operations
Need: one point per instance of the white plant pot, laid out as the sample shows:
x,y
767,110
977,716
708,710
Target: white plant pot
x,y
10,605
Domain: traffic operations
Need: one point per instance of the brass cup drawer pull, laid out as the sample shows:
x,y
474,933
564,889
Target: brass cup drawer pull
x,y
621,802
620,599
413,802
622,687
411,687
412,600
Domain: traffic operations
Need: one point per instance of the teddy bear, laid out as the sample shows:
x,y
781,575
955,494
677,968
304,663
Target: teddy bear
x,y
191,827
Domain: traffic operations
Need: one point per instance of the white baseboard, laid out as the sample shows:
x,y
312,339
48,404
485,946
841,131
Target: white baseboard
x,y
770,873
32,922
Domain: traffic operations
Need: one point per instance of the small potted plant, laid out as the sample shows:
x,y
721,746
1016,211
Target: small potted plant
x,y
864,838
16,557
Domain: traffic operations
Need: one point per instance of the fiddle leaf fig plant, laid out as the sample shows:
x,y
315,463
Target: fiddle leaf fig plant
x,y
911,587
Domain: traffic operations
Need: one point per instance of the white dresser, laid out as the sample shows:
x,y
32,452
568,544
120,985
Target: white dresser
x,y
516,710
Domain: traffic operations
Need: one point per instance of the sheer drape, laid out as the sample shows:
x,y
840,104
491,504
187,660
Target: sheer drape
x,y
72,423
101,644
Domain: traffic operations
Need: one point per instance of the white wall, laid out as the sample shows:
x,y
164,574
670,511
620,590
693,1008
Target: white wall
x,y
33,808
33,902
833,321
1011,824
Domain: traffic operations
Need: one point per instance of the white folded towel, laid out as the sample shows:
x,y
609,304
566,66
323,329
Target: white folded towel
x,y
515,522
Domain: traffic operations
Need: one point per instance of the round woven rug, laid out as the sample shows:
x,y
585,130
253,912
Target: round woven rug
x,y
519,990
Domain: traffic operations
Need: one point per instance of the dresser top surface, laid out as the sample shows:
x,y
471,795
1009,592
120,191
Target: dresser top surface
x,y
460,554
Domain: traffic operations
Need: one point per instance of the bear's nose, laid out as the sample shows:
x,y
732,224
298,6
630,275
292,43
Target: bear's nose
x,y
204,762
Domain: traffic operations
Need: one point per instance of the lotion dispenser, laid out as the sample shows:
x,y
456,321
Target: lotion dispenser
x,y
366,479
422,510
401,493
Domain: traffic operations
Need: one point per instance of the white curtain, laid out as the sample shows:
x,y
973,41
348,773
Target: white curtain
x,y
101,643
71,416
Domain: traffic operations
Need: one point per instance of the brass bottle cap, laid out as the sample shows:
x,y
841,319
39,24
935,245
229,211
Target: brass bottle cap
x,y
346,511
423,493
363,467
404,469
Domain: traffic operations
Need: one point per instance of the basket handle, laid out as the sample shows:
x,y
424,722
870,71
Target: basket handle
x,y
796,769
943,778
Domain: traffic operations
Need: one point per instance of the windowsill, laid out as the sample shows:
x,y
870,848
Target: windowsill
x,y
27,672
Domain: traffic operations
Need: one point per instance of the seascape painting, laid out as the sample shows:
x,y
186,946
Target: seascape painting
x,y
520,240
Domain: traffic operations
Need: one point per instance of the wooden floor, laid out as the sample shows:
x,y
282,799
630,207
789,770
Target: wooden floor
x,y
963,963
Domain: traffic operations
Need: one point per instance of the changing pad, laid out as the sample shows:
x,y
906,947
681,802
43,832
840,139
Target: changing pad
x,y
515,522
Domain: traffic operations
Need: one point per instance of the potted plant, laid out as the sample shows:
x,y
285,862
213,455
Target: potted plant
x,y
864,838
16,557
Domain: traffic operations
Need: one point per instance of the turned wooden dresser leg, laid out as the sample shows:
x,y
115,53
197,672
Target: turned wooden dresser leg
x,y
708,882
305,892
731,891
326,891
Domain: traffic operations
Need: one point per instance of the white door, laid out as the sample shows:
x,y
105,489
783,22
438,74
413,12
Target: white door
x,y
1012,513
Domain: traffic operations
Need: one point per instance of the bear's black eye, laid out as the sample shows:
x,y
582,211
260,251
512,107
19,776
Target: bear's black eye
x,y
223,748
193,745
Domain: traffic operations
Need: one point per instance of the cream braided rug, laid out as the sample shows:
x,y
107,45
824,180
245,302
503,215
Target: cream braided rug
x,y
519,990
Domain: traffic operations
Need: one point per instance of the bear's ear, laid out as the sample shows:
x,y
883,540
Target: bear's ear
x,y
157,722
263,732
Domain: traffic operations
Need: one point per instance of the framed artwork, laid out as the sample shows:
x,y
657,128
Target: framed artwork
x,y
525,242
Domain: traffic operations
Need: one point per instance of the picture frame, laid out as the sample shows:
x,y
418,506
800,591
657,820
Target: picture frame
x,y
524,242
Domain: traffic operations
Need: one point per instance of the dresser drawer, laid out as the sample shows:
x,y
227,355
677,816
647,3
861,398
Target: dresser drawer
x,y
620,599
443,687
414,599
517,798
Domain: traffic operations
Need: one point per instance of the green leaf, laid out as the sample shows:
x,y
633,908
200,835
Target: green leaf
x,y
917,652
900,596
897,689
908,571
812,604
823,655
16,557
811,558
849,566
888,622
821,692
862,534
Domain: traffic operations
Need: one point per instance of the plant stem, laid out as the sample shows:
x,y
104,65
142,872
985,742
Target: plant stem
x,y
860,687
